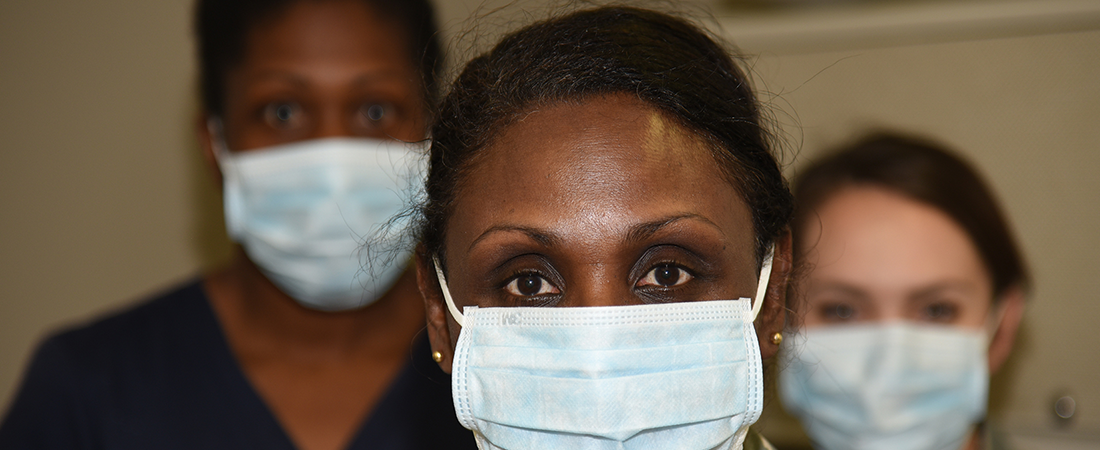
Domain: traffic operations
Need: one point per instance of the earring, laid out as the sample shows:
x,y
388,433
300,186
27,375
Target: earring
x,y
777,338
438,357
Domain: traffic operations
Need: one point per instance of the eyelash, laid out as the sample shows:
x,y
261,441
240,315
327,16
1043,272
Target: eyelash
x,y
512,283
683,272
549,291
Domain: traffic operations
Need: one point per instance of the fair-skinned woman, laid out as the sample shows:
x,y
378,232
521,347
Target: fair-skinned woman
x,y
913,295
304,339
605,249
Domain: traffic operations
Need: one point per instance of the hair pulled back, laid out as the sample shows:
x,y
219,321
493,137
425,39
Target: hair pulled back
x,y
222,28
925,172
663,60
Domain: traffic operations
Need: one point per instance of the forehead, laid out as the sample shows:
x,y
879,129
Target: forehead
x,y
326,30
876,237
596,164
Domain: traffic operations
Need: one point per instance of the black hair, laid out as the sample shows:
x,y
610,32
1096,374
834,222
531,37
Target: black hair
x,y
928,173
222,28
663,60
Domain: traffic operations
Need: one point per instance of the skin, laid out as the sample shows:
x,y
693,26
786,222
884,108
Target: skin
x,y
879,256
316,70
597,203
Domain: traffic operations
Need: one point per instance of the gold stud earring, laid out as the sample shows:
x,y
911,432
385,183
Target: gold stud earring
x,y
777,338
438,357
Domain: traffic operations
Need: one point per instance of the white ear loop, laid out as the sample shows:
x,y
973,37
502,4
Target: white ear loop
x,y
447,292
217,138
762,285
761,288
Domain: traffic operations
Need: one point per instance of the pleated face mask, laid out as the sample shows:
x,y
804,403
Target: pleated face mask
x,y
655,376
894,385
305,211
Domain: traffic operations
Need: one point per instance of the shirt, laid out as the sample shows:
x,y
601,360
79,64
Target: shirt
x,y
161,375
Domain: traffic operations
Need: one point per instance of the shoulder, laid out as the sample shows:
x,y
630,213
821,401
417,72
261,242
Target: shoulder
x,y
417,410
76,371
138,329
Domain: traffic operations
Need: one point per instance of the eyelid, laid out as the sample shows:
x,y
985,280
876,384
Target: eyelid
x,y
828,310
515,278
269,110
653,268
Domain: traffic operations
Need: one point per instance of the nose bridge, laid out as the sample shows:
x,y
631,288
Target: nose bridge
x,y
331,121
599,284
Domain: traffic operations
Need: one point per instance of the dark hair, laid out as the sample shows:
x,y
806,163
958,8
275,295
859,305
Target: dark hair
x,y
222,28
925,172
663,60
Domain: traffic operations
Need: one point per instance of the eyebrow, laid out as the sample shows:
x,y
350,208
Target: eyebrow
x,y
380,75
646,230
840,287
281,75
544,238
934,288
636,233
359,81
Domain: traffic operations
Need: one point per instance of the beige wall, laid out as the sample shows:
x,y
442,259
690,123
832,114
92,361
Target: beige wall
x,y
1013,87
101,191
104,199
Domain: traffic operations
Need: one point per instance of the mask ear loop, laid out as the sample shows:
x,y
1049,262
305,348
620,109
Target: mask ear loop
x,y
233,204
217,135
447,292
993,322
762,285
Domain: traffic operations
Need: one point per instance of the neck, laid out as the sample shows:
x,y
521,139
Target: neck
x,y
255,313
975,440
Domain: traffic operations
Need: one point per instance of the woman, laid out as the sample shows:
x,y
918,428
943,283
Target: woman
x,y
603,214
302,341
913,297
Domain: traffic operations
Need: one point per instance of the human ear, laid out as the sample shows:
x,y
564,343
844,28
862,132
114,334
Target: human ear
x,y
773,313
206,139
1012,302
435,308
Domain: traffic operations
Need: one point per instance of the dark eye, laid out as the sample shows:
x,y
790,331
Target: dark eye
x,y
283,115
665,275
838,312
530,285
939,312
374,112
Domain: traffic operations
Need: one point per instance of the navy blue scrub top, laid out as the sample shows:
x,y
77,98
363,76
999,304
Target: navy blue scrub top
x,y
161,375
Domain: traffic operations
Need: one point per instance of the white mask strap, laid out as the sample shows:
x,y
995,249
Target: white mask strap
x,y
447,292
994,319
761,288
217,138
762,285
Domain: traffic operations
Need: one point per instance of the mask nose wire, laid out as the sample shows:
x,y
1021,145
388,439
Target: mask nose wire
x,y
762,285
447,292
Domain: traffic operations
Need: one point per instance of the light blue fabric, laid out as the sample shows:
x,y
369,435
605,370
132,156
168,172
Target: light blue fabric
x,y
303,212
679,375
894,385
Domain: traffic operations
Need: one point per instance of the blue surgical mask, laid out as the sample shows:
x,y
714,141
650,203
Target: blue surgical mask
x,y
893,385
657,376
304,211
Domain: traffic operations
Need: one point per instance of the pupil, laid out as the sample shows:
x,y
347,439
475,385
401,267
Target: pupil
x,y
283,112
529,285
844,312
667,275
375,112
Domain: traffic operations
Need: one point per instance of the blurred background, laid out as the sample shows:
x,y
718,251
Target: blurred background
x,y
104,198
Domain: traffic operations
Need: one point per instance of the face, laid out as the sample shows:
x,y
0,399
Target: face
x,y
323,69
878,256
607,202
